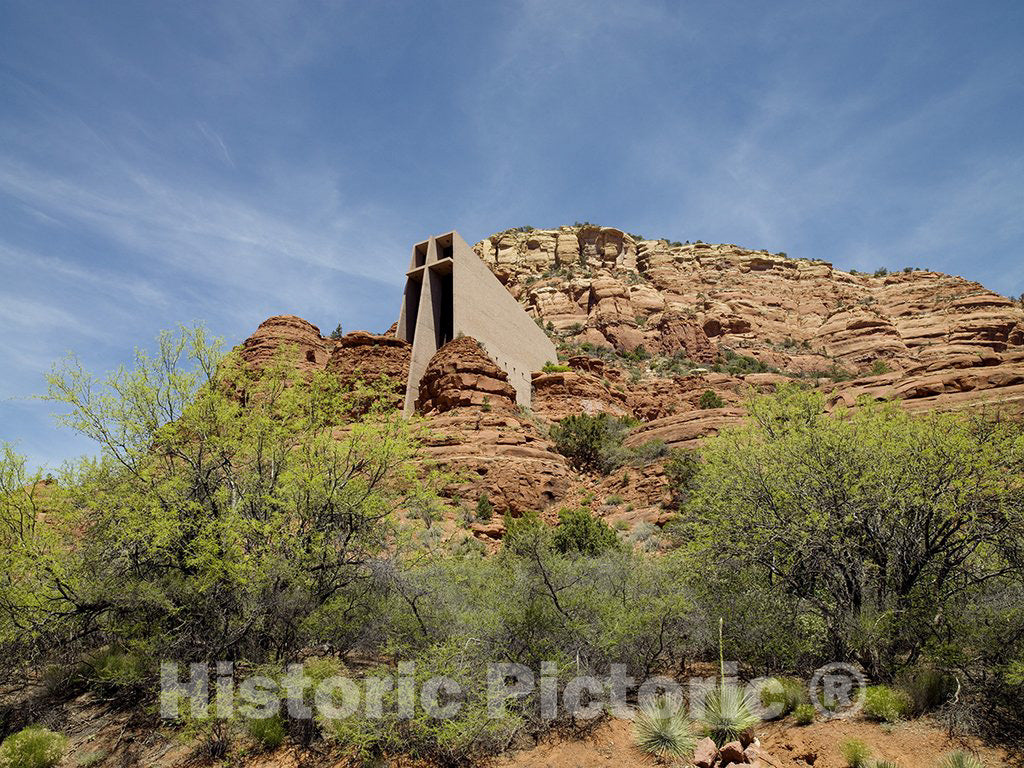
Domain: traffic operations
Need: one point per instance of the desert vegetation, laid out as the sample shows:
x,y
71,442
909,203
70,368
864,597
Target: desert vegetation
x,y
244,515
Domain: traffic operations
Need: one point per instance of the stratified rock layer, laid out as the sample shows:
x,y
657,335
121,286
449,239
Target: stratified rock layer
x,y
601,286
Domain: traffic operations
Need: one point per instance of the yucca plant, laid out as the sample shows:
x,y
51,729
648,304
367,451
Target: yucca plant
x,y
729,711
856,753
662,729
960,759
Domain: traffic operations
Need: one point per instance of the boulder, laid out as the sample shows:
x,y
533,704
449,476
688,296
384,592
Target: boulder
x,y
706,753
732,754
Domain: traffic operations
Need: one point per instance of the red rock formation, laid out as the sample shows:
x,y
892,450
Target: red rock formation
x,y
926,339
501,455
557,395
280,331
369,358
802,317
461,374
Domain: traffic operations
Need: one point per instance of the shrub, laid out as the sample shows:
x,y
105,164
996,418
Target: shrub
x,y
729,712
886,704
928,688
109,669
163,560
855,752
783,695
32,747
770,497
458,740
337,333
960,759
484,508
579,531
92,759
710,399
881,272
803,714
886,764
556,368
662,729
591,443
879,367
644,454
681,468
268,732
737,364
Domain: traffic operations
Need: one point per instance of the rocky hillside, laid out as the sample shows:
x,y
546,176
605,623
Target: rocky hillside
x,y
645,329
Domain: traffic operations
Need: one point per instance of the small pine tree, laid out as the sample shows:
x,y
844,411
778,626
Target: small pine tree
x,y
337,332
484,508
710,399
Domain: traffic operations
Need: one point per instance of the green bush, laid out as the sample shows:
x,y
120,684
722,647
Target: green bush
x,y
457,740
109,669
661,729
32,747
484,508
886,704
960,759
855,752
710,399
92,759
681,469
592,443
642,455
803,714
580,532
794,499
736,364
268,732
784,694
928,688
556,368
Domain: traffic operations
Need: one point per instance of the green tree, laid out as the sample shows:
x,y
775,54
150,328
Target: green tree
x,y
232,512
580,532
873,522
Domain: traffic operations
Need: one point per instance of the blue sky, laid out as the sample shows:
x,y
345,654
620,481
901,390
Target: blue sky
x,y
225,161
